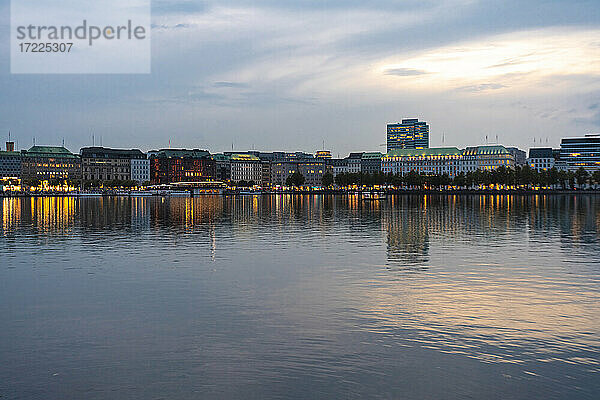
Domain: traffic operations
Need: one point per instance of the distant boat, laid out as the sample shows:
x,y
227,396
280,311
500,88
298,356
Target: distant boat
x,y
88,194
140,193
178,193
374,196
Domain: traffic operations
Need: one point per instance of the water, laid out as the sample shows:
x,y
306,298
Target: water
x,y
306,297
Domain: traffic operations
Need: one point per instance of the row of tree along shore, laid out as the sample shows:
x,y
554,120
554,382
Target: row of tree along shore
x,y
500,179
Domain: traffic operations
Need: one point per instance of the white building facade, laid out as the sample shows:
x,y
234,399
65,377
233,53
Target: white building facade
x,y
446,160
140,170
246,167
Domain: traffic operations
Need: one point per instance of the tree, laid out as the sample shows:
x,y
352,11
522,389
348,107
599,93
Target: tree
x,y
327,179
581,175
295,179
413,178
563,177
460,180
596,177
553,176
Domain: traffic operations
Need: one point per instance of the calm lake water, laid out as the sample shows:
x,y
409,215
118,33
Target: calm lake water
x,y
304,297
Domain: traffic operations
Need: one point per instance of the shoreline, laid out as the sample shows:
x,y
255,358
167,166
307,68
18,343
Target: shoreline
x,y
391,192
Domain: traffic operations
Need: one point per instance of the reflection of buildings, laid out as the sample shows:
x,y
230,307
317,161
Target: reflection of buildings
x,y
11,214
406,224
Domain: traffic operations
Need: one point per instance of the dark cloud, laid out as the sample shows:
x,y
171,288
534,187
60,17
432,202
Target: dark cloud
x,y
450,22
404,72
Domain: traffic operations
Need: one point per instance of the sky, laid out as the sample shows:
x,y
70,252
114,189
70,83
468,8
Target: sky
x,y
296,75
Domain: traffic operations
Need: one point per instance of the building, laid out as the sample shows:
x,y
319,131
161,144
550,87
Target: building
x,y
246,167
222,167
435,161
410,134
339,166
541,159
106,164
323,154
446,160
370,163
10,162
581,152
181,165
486,158
140,170
281,170
519,155
354,162
266,173
46,163
312,170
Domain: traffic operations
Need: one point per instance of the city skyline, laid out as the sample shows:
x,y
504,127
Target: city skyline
x,y
471,69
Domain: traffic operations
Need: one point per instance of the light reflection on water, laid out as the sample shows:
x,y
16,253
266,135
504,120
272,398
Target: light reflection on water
x,y
300,297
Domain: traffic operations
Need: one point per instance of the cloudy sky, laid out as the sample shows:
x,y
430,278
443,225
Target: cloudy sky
x,y
288,75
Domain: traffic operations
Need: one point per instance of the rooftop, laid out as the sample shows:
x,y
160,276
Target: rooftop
x,y
48,151
485,150
541,152
435,151
105,152
372,156
181,153
10,153
244,157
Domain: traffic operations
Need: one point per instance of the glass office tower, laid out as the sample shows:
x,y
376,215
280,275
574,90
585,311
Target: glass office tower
x,y
410,134
581,152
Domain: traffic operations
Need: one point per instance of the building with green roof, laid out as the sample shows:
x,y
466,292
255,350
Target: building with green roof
x,y
430,161
370,163
487,158
50,162
446,160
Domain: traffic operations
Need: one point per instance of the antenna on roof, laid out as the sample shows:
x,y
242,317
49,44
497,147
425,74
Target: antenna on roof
x,y
34,140
93,140
63,142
